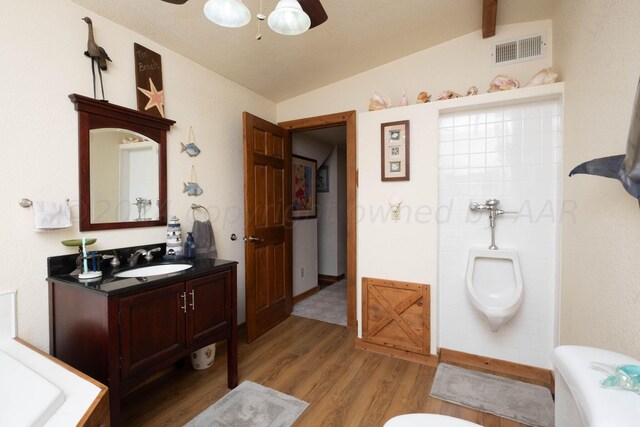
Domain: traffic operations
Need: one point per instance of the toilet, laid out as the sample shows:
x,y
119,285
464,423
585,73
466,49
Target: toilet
x,y
427,420
580,399
494,284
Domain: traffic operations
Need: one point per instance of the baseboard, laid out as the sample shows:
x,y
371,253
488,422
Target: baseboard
x,y
517,371
429,360
326,280
305,295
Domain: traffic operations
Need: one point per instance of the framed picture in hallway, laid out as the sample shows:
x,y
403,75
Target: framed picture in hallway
x,y
323,179
303,173
395,151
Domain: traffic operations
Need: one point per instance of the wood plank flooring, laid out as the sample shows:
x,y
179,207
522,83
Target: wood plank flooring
x,y
313,361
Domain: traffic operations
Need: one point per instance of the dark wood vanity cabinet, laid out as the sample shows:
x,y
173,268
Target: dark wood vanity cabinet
x,y
123,339
161,323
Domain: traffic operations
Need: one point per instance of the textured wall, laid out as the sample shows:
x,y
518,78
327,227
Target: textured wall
x,y
42,45
597,54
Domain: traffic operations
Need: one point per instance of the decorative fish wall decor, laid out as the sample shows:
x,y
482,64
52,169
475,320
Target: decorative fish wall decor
x,y
192,189
191,148
624,167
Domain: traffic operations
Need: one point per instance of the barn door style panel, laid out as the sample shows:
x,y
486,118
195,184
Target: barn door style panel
x,y
396,315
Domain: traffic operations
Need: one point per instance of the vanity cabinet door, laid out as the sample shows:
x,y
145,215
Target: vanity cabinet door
x,y
152,327
208,310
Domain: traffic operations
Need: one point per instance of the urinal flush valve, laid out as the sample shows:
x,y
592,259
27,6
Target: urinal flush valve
x,y
490,205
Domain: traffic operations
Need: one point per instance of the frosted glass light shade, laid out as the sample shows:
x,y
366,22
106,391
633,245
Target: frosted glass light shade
x,y
227,13
289,19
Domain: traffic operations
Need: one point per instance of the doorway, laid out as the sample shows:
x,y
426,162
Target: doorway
x,y
348,120
320,242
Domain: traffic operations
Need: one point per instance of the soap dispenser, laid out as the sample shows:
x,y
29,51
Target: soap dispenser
x,y
189,246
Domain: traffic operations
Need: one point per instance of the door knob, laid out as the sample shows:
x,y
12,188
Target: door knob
x,y
252,239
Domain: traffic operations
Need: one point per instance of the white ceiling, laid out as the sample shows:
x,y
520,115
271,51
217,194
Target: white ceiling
x,y
359,35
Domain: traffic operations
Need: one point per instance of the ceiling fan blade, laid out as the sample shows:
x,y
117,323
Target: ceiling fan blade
x,y
314,9
176,1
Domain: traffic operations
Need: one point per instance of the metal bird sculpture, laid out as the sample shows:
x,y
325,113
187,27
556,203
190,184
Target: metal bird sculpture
x,y
98,57
624,167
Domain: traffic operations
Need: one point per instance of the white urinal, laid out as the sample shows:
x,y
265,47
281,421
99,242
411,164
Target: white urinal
x,y
494,284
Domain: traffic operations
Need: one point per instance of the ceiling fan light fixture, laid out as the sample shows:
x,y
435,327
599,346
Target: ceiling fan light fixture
x,y
227,13
288,18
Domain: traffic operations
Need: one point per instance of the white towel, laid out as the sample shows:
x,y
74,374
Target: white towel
x,y
51,215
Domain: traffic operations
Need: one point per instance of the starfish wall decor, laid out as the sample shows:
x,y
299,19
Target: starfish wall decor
x,y
156,97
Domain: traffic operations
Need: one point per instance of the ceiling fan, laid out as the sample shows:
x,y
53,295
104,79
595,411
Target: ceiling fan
x,y
312,8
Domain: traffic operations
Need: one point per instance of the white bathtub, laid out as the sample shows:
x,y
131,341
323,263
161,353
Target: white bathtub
x,y
37,389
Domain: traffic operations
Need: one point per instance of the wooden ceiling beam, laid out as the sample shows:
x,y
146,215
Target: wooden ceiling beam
x,y
489,13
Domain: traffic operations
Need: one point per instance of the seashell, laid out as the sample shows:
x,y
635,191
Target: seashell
x,y
543,77
404,102
423,97
472,91
503,82
379,102
448,94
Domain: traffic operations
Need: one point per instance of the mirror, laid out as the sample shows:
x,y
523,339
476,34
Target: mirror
x,y
124,176
122,166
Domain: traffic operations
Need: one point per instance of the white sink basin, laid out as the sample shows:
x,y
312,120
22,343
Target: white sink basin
x,y
153,270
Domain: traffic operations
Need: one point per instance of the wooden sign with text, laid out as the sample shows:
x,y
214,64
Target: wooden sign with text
x,y
149,92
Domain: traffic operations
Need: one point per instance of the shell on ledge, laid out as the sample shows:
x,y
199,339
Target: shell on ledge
x,y
448,94
423,97
472,91
543,77
404,101
503,82
379,102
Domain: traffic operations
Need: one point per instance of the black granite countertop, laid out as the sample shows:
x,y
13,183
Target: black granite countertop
x,y
109,284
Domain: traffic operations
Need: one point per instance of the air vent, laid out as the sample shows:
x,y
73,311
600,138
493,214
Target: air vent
x,y
519,50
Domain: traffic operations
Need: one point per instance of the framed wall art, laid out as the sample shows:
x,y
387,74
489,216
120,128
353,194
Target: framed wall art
x,y
323,179
303,172
150,95
395,151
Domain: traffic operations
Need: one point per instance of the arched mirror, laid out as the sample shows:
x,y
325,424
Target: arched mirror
x,y
122,166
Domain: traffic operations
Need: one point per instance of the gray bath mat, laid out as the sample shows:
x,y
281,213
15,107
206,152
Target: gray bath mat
x,y
251,405
526,403
328,305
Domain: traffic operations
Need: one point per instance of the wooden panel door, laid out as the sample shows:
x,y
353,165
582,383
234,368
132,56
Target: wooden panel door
x,y
396,314
208,308
267,224
152,327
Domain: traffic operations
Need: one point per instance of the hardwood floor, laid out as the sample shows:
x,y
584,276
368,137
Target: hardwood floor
x,y
313,361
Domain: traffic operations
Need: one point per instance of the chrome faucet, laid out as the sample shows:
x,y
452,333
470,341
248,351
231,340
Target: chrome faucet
x,y
147,254
490,205
133,259
141,203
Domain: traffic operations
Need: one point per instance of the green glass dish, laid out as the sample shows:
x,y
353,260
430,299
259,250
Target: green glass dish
x,y
78,242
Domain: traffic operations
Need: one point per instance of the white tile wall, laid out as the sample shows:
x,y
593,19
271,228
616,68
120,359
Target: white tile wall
x,y
514,154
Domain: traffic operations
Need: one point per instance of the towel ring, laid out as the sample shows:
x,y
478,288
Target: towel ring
x,y
195,207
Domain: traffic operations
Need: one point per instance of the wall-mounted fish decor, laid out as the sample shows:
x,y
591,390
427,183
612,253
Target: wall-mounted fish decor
x,y
624,168
192,188
191,148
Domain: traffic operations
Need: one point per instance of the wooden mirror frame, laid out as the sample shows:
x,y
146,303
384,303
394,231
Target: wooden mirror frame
x,y
95,114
